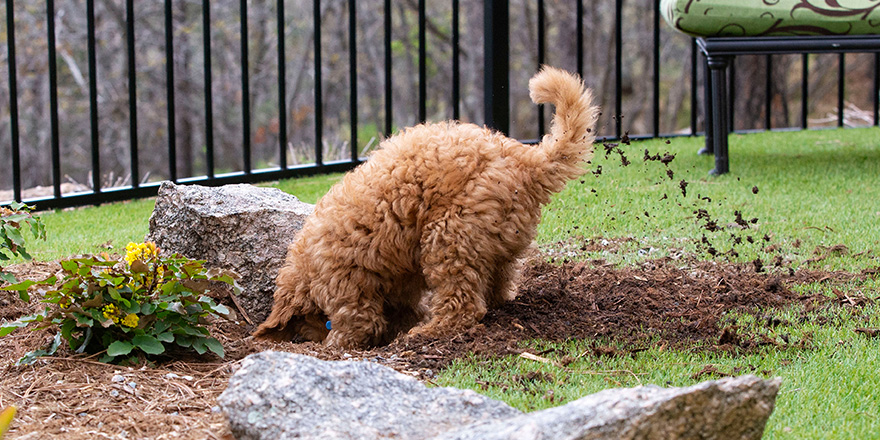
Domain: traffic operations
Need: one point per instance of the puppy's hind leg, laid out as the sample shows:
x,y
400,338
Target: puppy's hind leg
x,y
503,284
457,272
405,308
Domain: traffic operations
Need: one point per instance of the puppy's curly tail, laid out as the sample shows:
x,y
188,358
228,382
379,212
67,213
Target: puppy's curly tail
x,y
572,130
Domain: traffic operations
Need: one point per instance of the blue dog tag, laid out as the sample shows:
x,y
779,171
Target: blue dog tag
x,y
329,327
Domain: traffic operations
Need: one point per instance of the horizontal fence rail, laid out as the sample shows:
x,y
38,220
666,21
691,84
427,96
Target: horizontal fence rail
x,y
342,75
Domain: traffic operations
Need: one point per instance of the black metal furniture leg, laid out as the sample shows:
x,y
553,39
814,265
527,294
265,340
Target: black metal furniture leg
x,y
718,71
708,105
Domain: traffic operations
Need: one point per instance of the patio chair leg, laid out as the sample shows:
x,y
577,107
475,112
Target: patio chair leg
x,y
708,106
718,71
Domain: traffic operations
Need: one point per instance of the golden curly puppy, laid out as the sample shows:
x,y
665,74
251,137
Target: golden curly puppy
x,y
440,212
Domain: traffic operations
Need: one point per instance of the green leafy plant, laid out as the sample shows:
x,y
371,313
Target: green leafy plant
x,y
139,306
13,220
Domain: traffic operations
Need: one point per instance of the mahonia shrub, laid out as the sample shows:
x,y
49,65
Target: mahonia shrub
x,y
14,220
128,309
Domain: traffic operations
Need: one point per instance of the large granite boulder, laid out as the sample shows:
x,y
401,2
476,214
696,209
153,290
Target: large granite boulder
x,y
240,227
277,395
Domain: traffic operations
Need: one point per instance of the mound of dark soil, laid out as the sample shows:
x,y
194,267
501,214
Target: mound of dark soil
x,y
655,303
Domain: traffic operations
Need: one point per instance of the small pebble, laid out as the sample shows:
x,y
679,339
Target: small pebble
x,y
117,378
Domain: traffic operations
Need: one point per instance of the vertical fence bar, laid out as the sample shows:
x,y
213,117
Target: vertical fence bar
x,y
319,103
209,101
53,99
456,64
768,91
352,62
656,101
13,102
245,90
694,110
388,94
282,89
805,89
496,76
618,67
132,94
169,90
542,55
841,74
579,37
423,63
876,88
93,96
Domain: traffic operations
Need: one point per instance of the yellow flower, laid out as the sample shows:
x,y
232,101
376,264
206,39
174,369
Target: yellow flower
x,y
65,302
143,252
111,312
130,320
132,253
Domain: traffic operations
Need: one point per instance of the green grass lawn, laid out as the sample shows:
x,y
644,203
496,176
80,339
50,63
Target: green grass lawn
x,y
809,193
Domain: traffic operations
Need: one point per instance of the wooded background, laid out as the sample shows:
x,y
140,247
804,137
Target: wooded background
x,y
226,89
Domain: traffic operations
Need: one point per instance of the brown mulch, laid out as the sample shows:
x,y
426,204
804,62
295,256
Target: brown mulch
x,y
675,303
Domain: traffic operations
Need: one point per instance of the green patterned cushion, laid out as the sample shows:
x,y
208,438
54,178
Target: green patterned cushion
x,y
737,18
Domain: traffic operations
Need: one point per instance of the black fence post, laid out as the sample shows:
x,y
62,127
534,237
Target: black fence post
x,y
423,63
209,101
353,83
282,88
389,96
319,94
13,102
169,91
245,90
456,63
496,75
132,94
618,68
53,99
93,96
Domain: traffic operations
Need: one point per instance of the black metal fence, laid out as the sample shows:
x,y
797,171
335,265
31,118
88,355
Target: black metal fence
x,y
499,64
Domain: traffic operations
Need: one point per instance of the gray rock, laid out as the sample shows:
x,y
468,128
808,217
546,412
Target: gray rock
x,y
240,227
730,408
278,395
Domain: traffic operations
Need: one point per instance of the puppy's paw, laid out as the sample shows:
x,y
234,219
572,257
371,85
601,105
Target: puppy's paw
x,y
336,339
422,331
439,331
